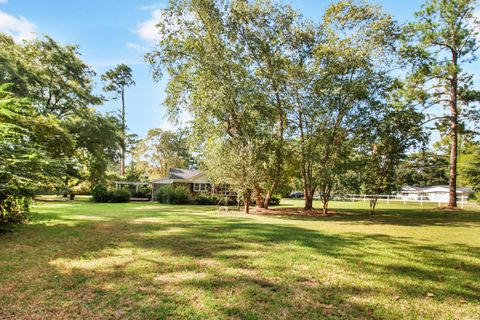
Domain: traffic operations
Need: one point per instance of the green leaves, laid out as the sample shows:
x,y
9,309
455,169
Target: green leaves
x,y
118,79
25,162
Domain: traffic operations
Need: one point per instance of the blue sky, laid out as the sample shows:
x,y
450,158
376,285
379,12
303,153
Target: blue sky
x,y
110,32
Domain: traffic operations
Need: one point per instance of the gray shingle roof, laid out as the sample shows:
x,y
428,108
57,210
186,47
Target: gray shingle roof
x,y
179,173
445,186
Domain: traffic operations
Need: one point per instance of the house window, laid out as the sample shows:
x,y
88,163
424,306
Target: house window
x,y
225,190
200,187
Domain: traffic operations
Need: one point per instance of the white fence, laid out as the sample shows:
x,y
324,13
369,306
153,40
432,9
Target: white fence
x,y
462,200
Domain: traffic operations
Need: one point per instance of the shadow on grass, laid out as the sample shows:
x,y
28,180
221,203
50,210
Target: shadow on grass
x,y
399,217
203,266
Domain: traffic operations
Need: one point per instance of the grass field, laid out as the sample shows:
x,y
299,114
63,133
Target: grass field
x,y
80,260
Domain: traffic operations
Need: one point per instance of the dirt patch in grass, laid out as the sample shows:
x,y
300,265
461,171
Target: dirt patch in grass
x,y
294,211
448,209
51,199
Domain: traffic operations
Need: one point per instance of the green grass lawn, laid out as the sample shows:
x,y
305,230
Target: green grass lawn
x,y
80,260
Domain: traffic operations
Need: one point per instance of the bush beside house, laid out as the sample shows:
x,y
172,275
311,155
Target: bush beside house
x,y
179,195
101,194
173,195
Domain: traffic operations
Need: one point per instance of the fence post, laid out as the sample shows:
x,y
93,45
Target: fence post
x,y
421,201
463,200
404,201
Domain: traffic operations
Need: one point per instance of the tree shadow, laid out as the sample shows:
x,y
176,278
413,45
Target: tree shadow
x,y
397,217
205,266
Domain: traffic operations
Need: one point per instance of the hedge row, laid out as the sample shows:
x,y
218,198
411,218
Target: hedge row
x,y
14,208
171,195
101,194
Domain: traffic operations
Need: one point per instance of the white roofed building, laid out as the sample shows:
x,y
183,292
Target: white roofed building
x,y
438,193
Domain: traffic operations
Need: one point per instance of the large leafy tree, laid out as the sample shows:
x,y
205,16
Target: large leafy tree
x,y
52,76
97,140
162,150
469,165
271,35
424,168
439,44
117,81
25,137
59,88
339,85
390,136
225,69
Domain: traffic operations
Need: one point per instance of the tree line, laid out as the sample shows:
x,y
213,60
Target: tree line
x,y
275,96
51,136
278,102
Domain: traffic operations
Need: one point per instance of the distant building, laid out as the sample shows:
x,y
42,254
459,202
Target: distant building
x,y
438,193
194,181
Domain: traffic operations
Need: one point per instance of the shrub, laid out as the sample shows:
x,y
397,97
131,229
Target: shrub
x,y
275,200
100,193
14,209
226,200
118,196
171,195
474,196
203,199
143,192
82,189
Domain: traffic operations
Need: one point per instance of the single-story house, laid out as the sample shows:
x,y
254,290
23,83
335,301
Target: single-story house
x,y
438,193
195,181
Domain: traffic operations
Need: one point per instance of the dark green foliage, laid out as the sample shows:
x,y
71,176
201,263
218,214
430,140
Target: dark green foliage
x,y
100,193
14,209
171,195
119,196
213,199
275,200
143,192
203,199
423,169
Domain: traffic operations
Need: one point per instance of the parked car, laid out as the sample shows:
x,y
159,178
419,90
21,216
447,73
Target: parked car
x,y
297,194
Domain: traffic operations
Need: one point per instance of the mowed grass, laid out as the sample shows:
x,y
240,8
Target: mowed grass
x,y
80,260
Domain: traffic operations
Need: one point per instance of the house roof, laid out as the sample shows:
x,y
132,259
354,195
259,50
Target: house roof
x,y
441,188
179,174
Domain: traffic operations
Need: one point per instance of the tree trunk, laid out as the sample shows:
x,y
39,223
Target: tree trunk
x,y
268,196
373,204
258,197
246,204
122,160
307,189
452,202
325,200
308,198
325,207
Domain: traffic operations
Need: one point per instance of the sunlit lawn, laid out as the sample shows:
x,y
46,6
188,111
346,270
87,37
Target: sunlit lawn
x,y
80,260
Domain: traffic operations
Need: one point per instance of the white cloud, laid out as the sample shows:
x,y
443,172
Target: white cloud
x,y
104,64
151,7
135,46
147,30
19,28
3,1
